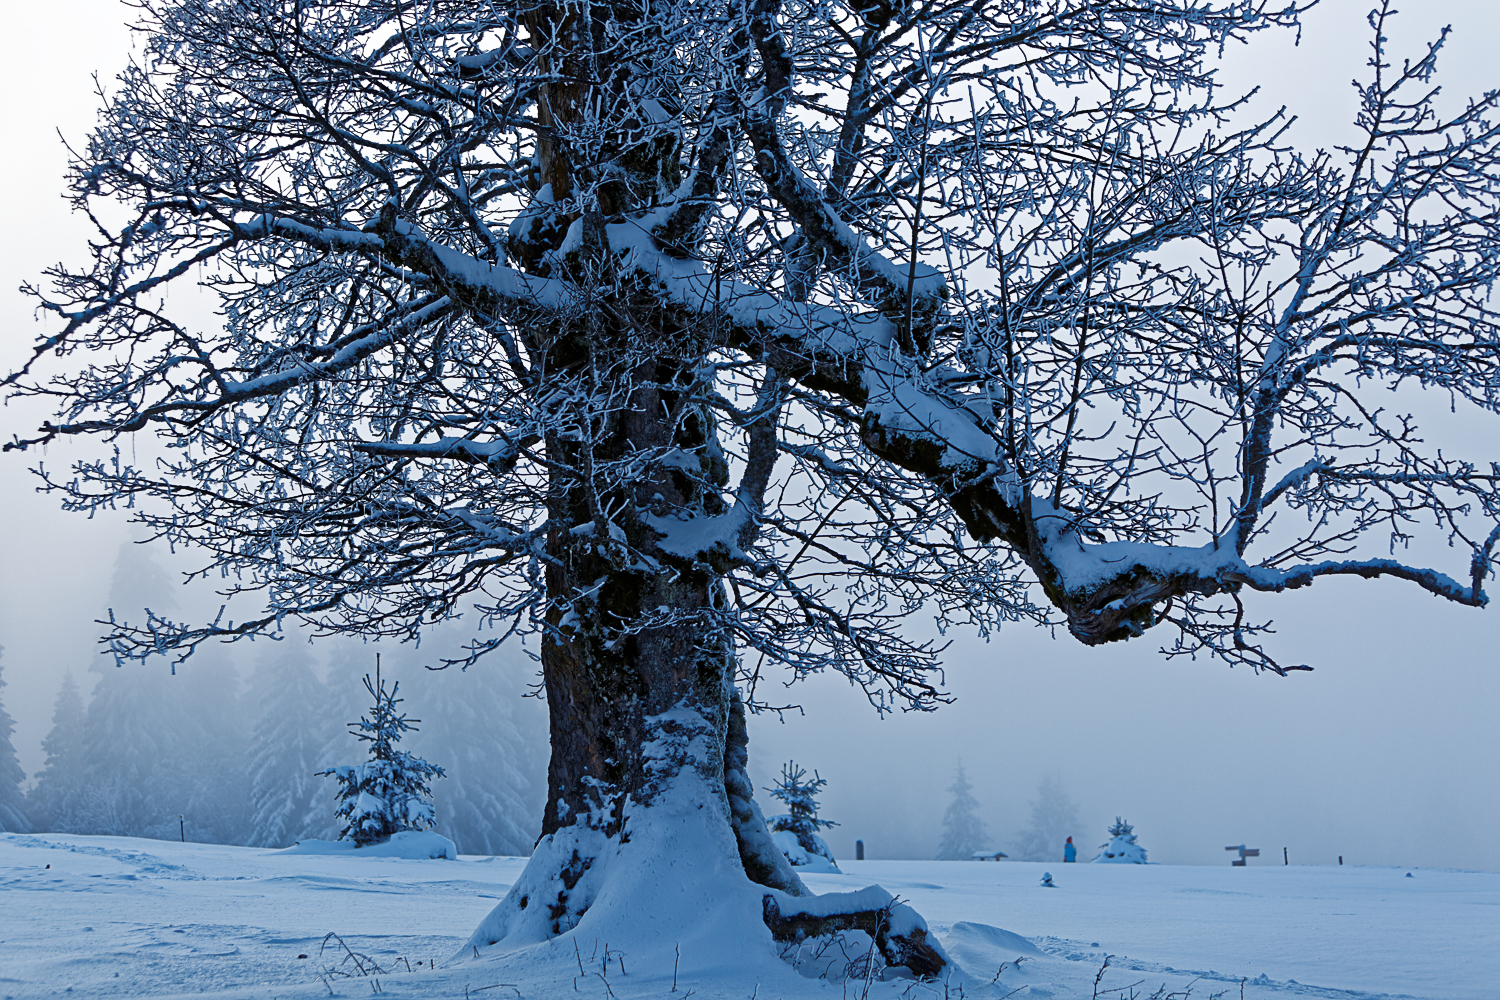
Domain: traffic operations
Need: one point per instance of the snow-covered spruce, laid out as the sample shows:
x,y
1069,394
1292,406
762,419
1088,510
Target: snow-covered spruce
x,y
964,833
391,792
289,744
1121,848
12,800
796,830
1054,818
57,797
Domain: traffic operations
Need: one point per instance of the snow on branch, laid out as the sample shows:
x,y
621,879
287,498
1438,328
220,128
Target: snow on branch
x,y
852,316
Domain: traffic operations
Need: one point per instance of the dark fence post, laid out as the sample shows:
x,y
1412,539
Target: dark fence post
x,y
859,850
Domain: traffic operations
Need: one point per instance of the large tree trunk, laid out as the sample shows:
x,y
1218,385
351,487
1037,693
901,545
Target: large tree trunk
x,y
651,836
647,772
651,830
653,846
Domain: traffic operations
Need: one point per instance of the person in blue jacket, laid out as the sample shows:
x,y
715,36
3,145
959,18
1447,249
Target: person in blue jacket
x,y
1070,853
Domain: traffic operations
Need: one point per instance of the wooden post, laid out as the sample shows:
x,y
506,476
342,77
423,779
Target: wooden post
x,y
859,850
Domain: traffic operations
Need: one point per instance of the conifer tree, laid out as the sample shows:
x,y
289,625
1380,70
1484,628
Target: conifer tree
x,y
389,793
963,831
213,733
12,800
495,758
287,747
55,800
1054,818
160,744
135,780
800,796
1121,848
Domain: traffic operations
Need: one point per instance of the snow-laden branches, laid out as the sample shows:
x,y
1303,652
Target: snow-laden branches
x,y
802,317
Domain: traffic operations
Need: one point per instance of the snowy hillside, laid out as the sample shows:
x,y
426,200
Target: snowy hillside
x,y
117,917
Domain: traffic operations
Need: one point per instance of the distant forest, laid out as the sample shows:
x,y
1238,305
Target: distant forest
x,y
233,741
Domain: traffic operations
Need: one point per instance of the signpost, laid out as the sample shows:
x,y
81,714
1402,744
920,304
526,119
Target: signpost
x,y
1245,852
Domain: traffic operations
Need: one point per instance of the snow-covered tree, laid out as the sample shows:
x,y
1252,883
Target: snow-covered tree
x,y
136,780
12,800
56,797
494,754
963,831
135,775
796,830
158,744
288,748
1054,818
711,338
1121,848
390,792
214,737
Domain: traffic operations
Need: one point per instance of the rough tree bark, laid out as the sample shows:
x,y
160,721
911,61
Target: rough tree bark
x,y
725,225
637,672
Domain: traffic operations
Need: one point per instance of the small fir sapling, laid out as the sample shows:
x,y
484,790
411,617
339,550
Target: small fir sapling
x,y
389,793
796,831
1121,848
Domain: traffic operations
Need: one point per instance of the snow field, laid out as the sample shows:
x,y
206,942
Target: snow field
x,y
122,917
1368,931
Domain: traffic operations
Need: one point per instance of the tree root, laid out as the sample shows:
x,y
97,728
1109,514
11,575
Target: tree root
x,y
908,947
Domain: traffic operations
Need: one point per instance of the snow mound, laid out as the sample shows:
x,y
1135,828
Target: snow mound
x,y
837,957
1122,851
1122,848
414,845
978,947
802,859
903,920
841,954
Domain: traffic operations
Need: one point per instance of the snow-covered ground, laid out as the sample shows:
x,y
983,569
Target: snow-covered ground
x,y
106,916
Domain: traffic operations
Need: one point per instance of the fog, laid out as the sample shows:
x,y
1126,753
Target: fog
x,y
1385,754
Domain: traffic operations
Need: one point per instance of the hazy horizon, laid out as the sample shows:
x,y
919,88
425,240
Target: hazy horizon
x,y
1385,754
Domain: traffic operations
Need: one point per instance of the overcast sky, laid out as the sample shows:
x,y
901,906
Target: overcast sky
x,y
1386,754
